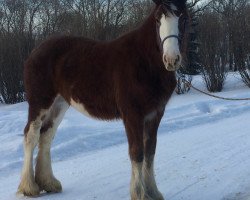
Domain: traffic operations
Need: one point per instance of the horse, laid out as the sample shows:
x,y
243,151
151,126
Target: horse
x,y
129,78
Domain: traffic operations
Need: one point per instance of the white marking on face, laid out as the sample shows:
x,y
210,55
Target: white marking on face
x,y
171,53
80,107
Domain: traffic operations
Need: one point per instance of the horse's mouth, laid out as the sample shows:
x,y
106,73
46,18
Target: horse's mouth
x,y
171,67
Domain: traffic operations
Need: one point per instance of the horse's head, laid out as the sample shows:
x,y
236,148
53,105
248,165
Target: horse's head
x,y
170,15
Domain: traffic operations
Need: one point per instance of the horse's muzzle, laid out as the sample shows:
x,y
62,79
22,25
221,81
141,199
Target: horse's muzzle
x,y
172,63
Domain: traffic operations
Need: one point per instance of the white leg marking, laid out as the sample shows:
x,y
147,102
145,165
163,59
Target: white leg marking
x,y
44,174
143,186
149,179
28,186
136,185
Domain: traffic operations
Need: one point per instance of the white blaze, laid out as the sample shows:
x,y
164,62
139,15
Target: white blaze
x,y
169,26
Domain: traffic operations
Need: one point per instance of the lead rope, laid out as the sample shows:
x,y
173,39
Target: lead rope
x,y
187,83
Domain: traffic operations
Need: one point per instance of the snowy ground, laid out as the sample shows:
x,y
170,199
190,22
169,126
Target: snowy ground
x,y
203,151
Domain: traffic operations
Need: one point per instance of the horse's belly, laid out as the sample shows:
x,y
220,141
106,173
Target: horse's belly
x,y
80,107
99,111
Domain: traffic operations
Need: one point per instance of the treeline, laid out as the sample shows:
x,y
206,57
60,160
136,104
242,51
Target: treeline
x,y
220,42
219,33
224,36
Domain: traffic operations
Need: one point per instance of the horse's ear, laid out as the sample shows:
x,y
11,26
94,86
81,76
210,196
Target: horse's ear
x,y
157,2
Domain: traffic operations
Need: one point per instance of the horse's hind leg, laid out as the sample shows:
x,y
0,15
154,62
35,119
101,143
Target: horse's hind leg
x,y
28,186
43,173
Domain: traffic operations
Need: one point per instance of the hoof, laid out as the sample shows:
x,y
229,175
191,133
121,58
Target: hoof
x,y
156,195
148,196
28,189
50,185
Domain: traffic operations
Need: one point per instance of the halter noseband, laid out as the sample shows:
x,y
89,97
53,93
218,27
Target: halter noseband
x,y
170,36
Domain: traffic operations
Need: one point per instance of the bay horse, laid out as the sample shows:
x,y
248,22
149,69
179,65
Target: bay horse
x,y
129,78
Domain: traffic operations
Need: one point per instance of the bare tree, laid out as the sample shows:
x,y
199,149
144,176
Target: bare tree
x,y
212,51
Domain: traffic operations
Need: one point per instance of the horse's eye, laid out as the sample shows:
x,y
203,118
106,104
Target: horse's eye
x,y
158,22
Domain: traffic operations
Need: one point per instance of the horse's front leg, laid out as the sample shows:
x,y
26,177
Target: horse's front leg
x,y
134,130
141,133
151,124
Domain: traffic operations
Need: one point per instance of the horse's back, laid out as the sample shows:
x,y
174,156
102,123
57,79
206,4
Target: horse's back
x,y
40,67
75,68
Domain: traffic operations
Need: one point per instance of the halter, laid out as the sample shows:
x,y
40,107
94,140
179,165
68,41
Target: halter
x,y
170,36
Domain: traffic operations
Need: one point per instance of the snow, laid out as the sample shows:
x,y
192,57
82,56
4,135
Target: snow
x,y
203,150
